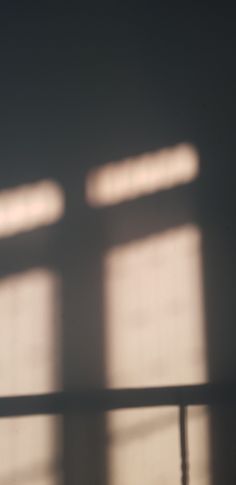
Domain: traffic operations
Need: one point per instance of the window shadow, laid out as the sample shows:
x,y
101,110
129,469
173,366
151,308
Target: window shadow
x,y
75,248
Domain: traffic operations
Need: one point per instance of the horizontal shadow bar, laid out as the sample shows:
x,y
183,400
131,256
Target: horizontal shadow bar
x,y
111,399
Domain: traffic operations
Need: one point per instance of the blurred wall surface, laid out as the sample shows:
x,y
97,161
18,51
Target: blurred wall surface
x,y
117,232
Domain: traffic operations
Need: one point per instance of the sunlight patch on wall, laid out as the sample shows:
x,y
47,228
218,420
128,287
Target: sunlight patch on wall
x,y
154,311
31,451
30,363
30,333
155,336
199,445
143,446
30,206
133,177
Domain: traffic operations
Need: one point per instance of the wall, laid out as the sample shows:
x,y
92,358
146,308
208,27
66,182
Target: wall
x,y
81,88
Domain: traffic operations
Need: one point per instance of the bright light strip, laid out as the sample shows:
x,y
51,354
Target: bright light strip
x,y
30,206
133,177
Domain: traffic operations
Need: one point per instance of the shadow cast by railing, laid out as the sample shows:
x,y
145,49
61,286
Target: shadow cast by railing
x,y
99,401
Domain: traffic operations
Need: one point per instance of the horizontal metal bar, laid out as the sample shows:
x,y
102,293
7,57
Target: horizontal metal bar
x,y
111,399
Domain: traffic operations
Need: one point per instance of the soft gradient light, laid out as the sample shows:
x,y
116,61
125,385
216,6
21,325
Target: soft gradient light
x,y
143,446
31,451
133,177
155,336
155,329
30,363
30,331
30,206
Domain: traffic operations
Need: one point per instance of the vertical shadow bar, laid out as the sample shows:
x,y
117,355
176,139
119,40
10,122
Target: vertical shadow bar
x,y
83,349
183,445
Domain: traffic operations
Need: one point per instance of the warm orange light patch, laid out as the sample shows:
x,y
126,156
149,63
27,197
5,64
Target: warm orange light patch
x,y
136,176
31,450
30,363
155,336
30,333
154,311
30,206
143,446
199,445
